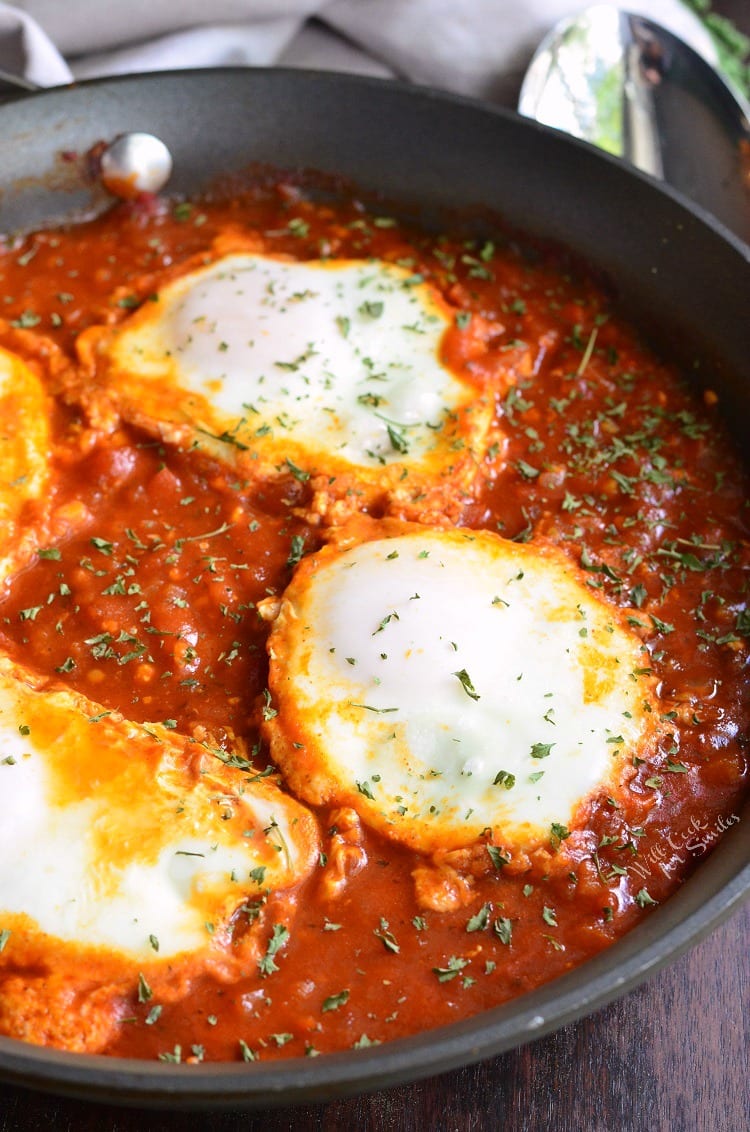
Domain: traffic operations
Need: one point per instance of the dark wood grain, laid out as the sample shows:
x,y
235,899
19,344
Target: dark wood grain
x,y
672,1056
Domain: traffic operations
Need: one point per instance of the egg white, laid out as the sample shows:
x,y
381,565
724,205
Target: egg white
x,y
449,683
315,367
114,835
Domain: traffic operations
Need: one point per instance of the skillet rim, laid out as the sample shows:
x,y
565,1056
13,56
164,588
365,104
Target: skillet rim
x,y
684,919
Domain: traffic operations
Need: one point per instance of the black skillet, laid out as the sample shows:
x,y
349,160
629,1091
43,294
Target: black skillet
x,y
684,278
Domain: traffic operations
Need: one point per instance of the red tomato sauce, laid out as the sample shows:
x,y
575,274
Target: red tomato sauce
x,y
149,608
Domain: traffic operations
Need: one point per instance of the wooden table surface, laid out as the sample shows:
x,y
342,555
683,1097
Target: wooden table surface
x,y
672,1056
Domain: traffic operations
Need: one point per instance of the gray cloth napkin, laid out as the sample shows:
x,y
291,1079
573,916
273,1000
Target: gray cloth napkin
x,y
475,47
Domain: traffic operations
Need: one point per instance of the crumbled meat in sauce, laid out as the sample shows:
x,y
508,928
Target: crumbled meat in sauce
x,y
151,608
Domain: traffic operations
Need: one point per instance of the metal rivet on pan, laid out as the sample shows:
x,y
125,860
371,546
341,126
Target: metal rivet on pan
x,y
135,163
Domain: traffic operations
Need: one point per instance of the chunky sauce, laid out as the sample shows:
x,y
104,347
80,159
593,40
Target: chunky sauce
x,y
149,608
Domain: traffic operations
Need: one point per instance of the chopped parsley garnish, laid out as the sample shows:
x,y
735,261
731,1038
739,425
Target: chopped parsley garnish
x,y
298,227
102,545
371,309
26,320
558,833
268,710
526,470
145,994
334,1001
453,968
174,1057
377,710
298,473
503,929
296,550
480,920
465,681
279,938
398,439
497,856
387,937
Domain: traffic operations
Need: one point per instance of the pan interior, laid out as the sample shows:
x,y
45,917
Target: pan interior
x,y
674,271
